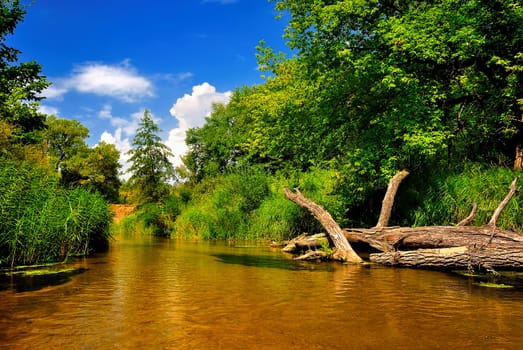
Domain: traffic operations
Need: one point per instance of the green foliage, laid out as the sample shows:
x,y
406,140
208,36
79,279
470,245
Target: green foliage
x,y
65,138
212,147
221,207
95,169
20,84
150,166
249,204
448,199
406,84
43,222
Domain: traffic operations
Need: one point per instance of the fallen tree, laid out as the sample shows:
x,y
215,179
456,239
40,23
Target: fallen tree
x,y
437,247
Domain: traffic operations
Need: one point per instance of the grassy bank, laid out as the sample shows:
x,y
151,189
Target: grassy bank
x,y
249,204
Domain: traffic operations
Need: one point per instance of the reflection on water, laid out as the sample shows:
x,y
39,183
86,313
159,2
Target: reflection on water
x,y
148,293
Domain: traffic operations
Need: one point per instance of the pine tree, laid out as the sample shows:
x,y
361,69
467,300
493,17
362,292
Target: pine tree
x,y
150,166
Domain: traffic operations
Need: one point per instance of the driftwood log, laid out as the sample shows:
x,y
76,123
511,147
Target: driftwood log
x,y
436,247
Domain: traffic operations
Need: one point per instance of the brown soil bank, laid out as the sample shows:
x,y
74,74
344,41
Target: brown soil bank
x,y
121,210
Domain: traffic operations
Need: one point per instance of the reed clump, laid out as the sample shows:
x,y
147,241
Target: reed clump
x,y
44,222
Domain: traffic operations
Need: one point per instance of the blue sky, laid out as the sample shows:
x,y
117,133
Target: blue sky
x,y
109,60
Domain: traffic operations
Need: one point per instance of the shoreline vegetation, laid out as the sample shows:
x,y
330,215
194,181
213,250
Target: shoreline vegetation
x,y
43,222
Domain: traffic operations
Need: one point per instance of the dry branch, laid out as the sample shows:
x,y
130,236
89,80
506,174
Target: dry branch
x,y
504,202
344,250
388,199
470,217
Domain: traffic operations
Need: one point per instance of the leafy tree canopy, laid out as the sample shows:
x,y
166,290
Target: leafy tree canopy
x,y
78,164
373,87
20,83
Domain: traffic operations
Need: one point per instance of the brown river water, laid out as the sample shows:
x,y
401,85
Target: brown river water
x,y
148,293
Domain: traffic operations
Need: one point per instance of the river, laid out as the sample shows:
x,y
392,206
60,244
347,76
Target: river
x,y
149,293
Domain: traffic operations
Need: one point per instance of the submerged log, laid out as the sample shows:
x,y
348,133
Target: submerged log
x,y
411,238
305,242
313,255
489,259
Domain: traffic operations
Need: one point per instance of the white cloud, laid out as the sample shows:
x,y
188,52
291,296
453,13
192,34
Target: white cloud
x,y
190,111
120,81
174,78
106,112
54,92
127,125
123,145
48,110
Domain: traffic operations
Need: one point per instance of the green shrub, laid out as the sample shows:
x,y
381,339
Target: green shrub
x,y
250,205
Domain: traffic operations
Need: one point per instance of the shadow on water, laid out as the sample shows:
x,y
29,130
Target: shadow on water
x,y
36,279
502,279
271,262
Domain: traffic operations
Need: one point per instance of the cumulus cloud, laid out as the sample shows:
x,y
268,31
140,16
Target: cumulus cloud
x,y
48,110
190,111
123,145
54,92
120,81
127,125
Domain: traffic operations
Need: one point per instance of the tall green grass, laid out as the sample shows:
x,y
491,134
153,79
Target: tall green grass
x,y
250,205
448,199
43,222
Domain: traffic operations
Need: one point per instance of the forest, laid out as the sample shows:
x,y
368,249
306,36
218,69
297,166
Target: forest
x,y
371,88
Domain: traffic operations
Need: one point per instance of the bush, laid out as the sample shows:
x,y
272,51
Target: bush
x,y
250,205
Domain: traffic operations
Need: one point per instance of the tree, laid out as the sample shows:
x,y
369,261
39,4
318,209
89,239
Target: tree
x,y
213,148
20,84
150,166
97,170
78,164
65,138
416,84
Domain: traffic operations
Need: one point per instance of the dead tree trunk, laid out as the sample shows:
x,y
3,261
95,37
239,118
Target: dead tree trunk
x,y
410,238
440,247
344,250
469,258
